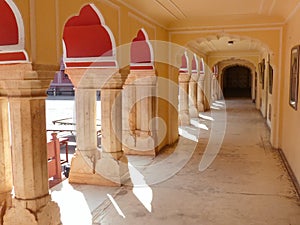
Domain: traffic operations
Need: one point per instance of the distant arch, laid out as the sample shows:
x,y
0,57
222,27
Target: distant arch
x,y
195,64
184,63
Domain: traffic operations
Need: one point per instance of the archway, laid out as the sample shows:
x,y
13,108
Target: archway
x,y
90,61
237,82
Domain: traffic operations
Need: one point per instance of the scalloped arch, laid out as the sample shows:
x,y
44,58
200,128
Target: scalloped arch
x,y
195,64
184,63
141,51
11,34
87,41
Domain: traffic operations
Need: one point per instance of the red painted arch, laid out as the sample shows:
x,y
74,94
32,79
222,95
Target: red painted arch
x,y
194,64
184,63
9,34
140,52
85,36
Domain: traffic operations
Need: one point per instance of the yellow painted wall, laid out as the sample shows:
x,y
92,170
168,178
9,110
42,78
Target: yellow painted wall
x,y
44,23
290,119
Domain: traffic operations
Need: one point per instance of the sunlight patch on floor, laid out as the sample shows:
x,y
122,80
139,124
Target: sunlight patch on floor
x,y
140,188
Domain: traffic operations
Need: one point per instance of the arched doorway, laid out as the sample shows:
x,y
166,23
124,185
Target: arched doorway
x,y
237,82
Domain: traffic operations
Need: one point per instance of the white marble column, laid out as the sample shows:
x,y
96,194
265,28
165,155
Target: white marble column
x,y
5,160
139,107
105,166
85,158
193,111
200,93
26,91
214,88
184,117
113,163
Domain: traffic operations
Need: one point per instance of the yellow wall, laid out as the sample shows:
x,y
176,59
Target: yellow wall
x,y
290,119
44,23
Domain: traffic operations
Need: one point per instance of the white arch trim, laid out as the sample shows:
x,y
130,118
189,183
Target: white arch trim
x,y
94,60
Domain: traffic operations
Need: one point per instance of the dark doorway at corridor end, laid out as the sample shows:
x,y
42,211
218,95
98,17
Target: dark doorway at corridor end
x,y
237,82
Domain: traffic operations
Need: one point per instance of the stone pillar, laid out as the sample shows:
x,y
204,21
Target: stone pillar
x,y
90,165
184,117
193,95
31,203
214,90
5,160
200,93
84,160
113,163
139,107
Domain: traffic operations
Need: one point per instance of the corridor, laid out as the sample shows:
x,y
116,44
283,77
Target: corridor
x,y
247,183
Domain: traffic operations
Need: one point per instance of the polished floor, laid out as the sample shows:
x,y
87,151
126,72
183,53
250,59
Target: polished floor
x,y
222,171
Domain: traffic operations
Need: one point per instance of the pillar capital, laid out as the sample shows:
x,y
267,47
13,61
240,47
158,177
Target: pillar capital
x,y
20,80
95,78
184,77
141,77
194,77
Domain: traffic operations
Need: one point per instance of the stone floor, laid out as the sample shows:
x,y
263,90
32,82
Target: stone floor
x,y
200,180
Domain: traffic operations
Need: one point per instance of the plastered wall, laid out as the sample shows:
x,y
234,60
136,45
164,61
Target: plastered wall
x,y
290,118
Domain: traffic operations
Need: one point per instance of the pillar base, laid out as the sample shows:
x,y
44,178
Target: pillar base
x,y
20,213
184,119
138,145
193,111
96,170
200,107
5,203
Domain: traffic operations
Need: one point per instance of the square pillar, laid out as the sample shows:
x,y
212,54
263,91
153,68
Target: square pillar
x,y
105,166
139,110
5,159
200,93
184,116
26,91
193,111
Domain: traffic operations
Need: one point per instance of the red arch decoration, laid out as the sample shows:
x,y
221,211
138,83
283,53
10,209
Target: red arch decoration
x,y
12,49
195,66
87,41
202,66
141,54
184,63
8,25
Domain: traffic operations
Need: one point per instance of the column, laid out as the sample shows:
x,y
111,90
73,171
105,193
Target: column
x,y
5,160
184,117
85,158
26,91
32,203
214,91
105,166
200,93
193,95
113,163
129,114
139,108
